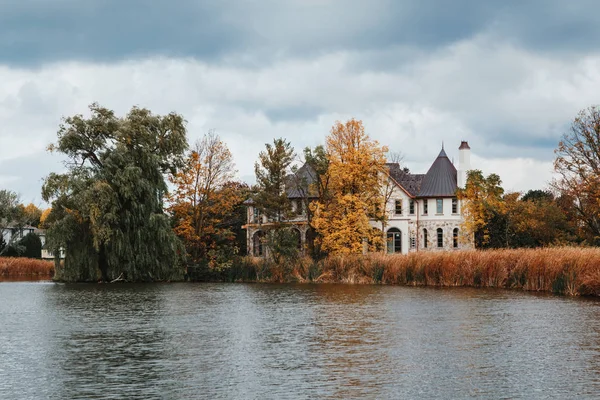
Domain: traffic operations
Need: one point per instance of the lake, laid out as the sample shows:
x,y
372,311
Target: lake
x,y
257,341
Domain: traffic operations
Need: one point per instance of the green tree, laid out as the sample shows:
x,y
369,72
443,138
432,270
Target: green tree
x,y
271,171
107,209
13,220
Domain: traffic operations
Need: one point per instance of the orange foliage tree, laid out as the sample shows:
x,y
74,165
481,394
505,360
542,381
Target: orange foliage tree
x,y
354,176
204,199
578,165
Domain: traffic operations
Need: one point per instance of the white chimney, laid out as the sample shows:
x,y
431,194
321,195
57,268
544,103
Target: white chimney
x,y
464,163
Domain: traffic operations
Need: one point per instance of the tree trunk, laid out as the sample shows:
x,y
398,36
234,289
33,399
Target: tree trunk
x,y
103,263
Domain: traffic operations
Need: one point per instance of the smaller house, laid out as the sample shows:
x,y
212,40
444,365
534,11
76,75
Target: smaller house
x,y
12,233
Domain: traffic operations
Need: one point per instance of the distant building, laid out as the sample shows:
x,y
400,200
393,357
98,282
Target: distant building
x,y
423,211
15,233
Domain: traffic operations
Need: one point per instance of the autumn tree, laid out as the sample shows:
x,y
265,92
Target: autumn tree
x,y
107,209
482,206
204,198
354,176
578,166
272,170
537,220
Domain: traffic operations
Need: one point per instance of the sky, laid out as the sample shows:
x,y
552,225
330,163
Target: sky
x,y
508,77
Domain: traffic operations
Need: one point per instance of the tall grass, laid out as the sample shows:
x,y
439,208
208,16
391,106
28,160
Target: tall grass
x,y
12,267
567,270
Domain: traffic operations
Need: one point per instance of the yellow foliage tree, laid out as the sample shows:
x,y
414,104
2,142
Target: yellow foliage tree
x,y
482,200
341,216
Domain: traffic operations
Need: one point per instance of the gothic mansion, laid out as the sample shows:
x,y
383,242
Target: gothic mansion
x,y
423,211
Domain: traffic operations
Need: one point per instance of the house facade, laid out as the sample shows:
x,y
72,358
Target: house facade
x,y
423,212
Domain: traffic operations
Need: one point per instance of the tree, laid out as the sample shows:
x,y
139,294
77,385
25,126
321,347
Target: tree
x,y
271,171
482,206
31,246
107,209
578,165
204,198
354,176
9,219
32,214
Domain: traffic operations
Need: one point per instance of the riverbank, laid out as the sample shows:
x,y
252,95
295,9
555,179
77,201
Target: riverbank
x,y
565,270
21,268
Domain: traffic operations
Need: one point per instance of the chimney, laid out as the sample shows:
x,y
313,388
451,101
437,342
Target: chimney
x,y
464,163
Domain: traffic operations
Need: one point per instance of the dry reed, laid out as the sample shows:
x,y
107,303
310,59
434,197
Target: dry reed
x,y
11,267
564,270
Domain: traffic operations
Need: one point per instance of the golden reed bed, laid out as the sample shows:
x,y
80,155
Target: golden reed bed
x,y
20,267
567,270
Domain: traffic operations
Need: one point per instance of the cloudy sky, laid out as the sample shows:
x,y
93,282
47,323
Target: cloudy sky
x,y
507,76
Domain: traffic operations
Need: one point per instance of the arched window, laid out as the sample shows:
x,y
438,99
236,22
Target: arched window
x,y
425,238
257,244
394,241
440,237
455,238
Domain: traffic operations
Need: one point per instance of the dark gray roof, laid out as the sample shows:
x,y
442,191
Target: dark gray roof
x,y
410,182
440,180
301,183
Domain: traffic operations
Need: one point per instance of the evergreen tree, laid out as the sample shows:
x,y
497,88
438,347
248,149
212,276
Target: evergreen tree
x,y
271,173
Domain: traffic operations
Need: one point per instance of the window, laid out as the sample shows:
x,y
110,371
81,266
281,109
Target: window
x,y
398,208
439,206
299,207
455,238
411,207
425,238
425,207
394,241
440,237
413,242
455,206
257,216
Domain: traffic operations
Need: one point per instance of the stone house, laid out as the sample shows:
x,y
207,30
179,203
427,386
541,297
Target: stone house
x,y
423,212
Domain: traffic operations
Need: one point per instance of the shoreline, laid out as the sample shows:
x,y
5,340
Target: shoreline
x,y
562,270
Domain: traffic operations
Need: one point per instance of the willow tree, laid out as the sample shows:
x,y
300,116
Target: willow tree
x,y
107,209
354,177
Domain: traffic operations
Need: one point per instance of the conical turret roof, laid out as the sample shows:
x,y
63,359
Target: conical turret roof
x,y
440,180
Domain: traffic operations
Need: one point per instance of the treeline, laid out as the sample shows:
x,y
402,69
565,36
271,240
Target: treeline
x,y
137,203
566,213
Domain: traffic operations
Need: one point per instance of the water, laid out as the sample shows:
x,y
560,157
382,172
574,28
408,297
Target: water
x,y
255,341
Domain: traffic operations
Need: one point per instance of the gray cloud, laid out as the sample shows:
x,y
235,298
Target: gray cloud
x,y
33,32
507,76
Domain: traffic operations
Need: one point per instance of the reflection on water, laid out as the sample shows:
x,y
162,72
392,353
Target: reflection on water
x,y
293,341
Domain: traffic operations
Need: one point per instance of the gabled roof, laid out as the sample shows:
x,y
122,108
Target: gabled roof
x,y
411,183
301,183
440,180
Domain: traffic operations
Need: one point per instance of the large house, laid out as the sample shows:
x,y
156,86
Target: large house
x,y
423,211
